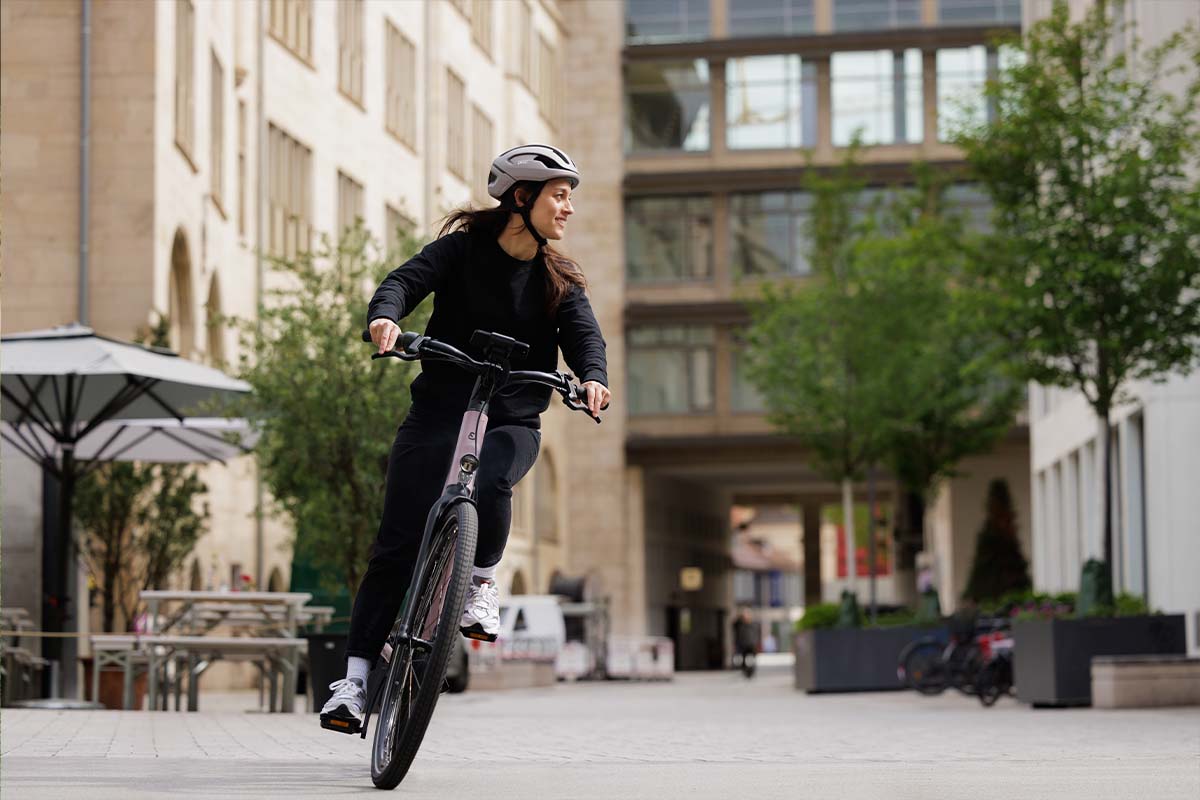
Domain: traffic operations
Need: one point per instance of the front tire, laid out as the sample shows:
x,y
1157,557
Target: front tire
x,y
414,679
924,668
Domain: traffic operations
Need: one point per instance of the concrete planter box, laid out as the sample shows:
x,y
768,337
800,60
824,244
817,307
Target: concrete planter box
x,y
853,660
1052,659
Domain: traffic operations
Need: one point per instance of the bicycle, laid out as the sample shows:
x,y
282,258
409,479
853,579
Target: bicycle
x,y
930,665
995,678
418,647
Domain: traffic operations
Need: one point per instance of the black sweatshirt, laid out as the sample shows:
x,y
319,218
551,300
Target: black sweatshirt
x,y
478,286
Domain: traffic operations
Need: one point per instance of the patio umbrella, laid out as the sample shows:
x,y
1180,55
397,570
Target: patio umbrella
x,y
162,441
60,386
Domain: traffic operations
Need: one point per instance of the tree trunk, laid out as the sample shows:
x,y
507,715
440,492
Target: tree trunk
x,y
848,525
1106,466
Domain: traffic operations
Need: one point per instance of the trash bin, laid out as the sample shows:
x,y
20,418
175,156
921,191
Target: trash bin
x,y
326,664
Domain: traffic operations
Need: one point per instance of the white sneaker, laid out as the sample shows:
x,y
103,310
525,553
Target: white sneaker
x,y
344,711
481,615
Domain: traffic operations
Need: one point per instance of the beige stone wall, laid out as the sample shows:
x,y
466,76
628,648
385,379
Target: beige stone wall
x,y
596,474
39,173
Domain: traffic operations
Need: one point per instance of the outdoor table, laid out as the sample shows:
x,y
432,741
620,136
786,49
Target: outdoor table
x,y
289,603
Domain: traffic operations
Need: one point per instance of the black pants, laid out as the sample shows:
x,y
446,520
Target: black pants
x,y
417,467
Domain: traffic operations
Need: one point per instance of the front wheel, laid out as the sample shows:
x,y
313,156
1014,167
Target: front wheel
x,y
415,675
925,669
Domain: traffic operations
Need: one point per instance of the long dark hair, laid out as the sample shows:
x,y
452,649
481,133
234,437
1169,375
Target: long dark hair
x,y
561,273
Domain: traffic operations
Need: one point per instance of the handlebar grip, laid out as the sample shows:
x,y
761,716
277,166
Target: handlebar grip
x,y
366,336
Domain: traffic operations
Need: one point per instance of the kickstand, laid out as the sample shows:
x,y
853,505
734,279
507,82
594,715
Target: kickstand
x,y
370,705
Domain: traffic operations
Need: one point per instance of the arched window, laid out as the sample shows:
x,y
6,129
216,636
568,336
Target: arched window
x,y
545,515
275,582
216,331
179,297
196,580
518,584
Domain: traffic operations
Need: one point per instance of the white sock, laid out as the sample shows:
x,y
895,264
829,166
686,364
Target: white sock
x,y
482,574
357,669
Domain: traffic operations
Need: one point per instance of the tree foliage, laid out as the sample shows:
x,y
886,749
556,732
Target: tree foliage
x,y
325,411
885,355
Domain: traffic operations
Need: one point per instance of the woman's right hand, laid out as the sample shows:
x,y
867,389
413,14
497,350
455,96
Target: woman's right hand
x,y
384,333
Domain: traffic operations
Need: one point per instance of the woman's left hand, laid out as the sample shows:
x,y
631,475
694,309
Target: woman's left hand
x,y
598,396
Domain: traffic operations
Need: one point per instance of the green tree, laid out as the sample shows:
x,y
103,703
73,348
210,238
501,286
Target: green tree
x,y
325,411
1091,167
886,355
999,567
819,353
953,392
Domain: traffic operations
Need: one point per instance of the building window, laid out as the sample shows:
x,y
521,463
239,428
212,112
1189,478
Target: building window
x,y
648,21
217,135
350,49
667,105
668,239
771,17
670,369
877,94
973,203
290,195
771,102
482,153
873,15
350,202
745,395
962,73
291,25
481,25
523,43
768,233
548,82
974,12
401,87
456,109
241,167
399,226
185,56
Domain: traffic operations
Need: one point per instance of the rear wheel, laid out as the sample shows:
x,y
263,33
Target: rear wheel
x,y
415,674
994,680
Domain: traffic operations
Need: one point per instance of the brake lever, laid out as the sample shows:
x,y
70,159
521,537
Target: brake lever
x,y
575,404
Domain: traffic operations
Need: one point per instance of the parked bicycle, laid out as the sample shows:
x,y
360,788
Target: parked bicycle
x,y
422,638
995,678
931,665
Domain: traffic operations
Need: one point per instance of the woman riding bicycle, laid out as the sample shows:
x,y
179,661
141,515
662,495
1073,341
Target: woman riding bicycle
x,y
494,270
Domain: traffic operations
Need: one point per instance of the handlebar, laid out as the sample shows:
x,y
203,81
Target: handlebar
x,y
413,346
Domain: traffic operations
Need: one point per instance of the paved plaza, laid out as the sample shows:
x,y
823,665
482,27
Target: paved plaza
x,y
700,736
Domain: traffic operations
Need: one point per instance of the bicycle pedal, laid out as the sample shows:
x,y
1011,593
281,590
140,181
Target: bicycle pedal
x,y
339,724
477,633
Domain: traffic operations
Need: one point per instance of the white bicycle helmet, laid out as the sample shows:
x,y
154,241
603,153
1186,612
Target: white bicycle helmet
x,y
530,162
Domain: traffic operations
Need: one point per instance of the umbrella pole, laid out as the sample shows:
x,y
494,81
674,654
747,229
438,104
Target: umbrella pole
x,y
58,570
68,574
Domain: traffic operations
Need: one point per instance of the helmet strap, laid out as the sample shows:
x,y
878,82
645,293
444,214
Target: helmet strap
x,y
525,210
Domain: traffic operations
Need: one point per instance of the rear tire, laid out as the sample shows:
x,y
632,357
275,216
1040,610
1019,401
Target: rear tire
x,y
414,680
